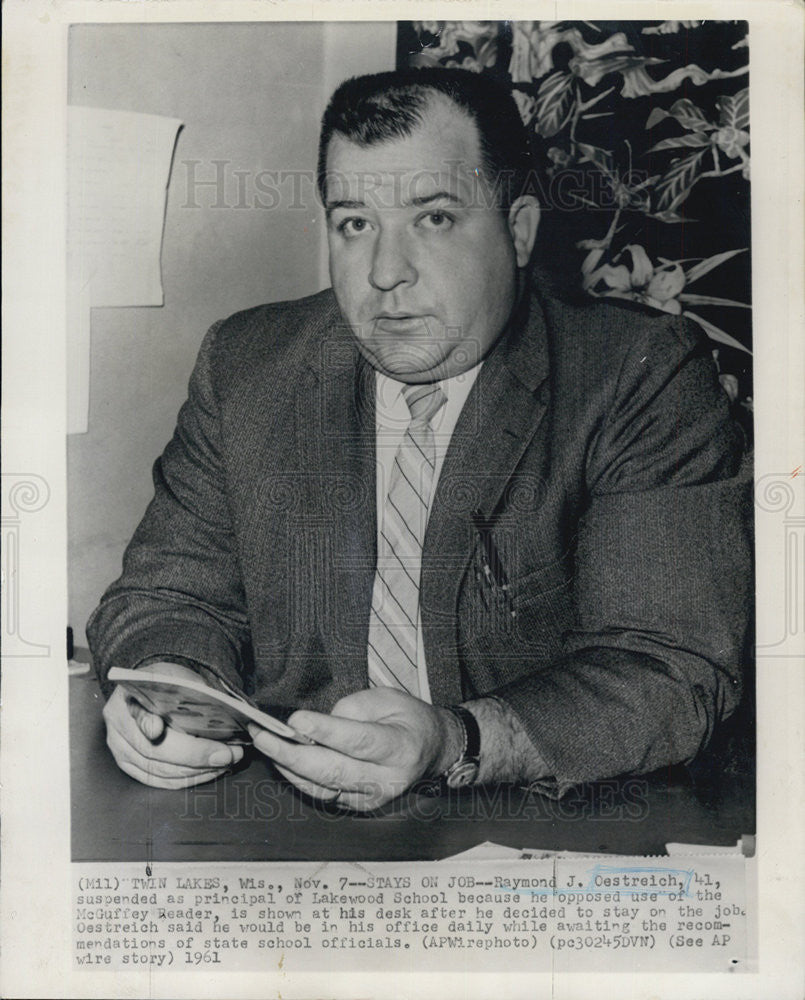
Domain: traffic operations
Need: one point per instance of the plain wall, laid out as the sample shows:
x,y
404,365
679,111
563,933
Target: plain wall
x,y
250,95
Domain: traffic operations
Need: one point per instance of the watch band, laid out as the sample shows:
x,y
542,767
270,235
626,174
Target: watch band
x,y
465,770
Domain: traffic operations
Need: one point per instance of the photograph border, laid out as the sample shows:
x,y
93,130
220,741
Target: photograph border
x,y
35,904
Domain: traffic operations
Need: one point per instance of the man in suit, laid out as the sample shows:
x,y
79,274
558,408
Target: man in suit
x,y
460,529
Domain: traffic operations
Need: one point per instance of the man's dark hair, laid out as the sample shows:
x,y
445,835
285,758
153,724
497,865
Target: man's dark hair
x,y
386,106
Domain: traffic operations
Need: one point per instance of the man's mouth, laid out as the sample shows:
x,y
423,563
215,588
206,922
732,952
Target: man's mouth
x,y
398,322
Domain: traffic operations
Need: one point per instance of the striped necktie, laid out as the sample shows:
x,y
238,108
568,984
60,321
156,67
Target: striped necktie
x,y
393,620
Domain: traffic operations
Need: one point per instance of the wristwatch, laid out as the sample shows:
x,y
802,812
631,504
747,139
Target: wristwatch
x,y
465,770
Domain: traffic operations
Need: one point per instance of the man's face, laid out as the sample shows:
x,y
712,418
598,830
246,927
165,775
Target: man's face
x,y
423,267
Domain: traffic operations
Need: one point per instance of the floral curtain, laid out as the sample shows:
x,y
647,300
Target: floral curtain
x,y
640,136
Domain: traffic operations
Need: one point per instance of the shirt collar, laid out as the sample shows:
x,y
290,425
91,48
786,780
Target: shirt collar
x,y
389,390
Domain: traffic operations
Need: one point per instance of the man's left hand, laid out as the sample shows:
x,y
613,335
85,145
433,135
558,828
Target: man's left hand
x,y
374,746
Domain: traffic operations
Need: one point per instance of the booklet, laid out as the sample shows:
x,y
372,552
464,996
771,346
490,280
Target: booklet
x,y
194,707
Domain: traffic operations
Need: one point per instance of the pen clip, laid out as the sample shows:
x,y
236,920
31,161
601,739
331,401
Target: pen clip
x,y
493,567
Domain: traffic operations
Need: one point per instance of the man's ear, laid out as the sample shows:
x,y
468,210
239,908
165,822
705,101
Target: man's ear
x,y
524,218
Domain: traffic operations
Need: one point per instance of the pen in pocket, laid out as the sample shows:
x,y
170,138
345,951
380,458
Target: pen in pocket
x,y
493,571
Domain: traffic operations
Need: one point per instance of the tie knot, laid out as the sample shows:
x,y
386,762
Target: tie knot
x,y
423,401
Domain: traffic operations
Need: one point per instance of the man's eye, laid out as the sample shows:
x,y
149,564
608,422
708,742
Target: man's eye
x,y
353,227
436,220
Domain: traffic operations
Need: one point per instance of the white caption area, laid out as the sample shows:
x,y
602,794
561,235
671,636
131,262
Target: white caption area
x,y
580,914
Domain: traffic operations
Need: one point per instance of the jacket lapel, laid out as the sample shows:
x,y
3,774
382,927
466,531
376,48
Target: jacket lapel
x,y
337,404
496,426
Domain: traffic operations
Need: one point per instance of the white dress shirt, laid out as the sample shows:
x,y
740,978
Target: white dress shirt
x,y
391,421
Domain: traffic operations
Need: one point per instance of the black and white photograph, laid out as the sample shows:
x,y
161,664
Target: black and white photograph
x,y
414,616
475,517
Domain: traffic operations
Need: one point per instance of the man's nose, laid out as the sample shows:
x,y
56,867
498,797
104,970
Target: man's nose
x,y
392,263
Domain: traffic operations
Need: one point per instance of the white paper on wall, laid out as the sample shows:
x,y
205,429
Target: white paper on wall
x,y
118,165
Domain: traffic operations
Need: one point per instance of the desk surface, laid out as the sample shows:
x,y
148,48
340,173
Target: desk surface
x,y
253,815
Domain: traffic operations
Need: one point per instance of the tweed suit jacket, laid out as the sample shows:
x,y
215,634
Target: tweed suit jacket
x,y
597,442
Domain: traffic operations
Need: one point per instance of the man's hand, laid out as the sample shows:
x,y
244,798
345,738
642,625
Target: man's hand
x,y
374,745
150,751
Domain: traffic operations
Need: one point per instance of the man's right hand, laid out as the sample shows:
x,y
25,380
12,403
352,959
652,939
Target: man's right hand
x,y
147,749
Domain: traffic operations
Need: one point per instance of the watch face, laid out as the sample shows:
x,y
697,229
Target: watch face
x,y
462,774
